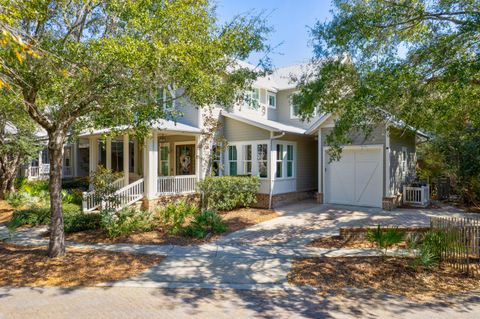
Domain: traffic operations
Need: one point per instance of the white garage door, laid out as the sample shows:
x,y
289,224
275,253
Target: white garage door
x,y
356,179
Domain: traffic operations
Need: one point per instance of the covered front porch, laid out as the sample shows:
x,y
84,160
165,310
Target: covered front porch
x,y
166,162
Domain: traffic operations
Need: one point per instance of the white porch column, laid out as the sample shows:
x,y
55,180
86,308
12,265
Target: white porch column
x,y
126,160
135,156
39,160
320,168
75,158
150,166
93,154
108,152
198,158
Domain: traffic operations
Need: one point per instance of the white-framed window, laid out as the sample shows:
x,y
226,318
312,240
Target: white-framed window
x,y
163,160
216,160
247,159
290,161
272,100
232,160
262,160
294,109
252,99
279,161
167,98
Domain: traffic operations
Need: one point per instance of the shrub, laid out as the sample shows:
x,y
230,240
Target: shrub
x,y
385,238
208,222
75,183
429,252
126,221
34,188
74,219
18,199
102,181
174,215
229,192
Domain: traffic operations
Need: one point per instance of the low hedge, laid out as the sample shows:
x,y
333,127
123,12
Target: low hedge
x,y
229,192
74,219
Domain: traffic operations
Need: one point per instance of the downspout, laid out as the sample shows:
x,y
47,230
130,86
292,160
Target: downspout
x,y
272,137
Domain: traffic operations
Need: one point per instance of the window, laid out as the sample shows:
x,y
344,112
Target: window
x,y
45,158
247,159
252,99
216,160
404,162
164,162
279,167
272,100
262,158
232,160
289,160
167,98
294,111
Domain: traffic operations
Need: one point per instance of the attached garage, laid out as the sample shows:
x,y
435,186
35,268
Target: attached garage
x,y
355,179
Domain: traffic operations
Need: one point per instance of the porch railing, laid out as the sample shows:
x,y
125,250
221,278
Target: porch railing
x,y
91,202
33,172
417,196
176,184
129,194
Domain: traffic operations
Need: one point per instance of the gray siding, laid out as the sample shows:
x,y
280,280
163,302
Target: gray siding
x,y
306,164
186,112
236,131
399,142
283,111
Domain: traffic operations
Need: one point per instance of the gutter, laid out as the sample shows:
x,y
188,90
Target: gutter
x,y
272,137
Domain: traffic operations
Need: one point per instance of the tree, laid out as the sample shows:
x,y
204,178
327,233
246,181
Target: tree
x,y
17,142
415,60
102,63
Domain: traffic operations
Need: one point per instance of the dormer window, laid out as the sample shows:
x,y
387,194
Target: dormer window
x,y
272,100
252,99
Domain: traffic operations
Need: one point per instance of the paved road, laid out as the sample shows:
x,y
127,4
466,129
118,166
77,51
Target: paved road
x,y
133,303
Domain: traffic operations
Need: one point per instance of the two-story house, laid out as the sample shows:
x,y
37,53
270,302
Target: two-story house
x,y
262,136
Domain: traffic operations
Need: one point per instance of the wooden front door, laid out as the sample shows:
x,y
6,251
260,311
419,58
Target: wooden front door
x,y
185,159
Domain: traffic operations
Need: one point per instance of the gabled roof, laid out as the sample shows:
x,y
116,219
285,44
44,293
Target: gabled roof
x,y
265,124
167,125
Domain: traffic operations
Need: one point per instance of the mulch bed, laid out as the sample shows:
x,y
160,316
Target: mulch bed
x,y
391,275
346,242
235,220
30,266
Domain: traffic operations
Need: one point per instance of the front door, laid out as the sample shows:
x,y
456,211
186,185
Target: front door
x,y
185,159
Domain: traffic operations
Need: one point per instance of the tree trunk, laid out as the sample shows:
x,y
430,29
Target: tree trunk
x,y
9,166
56,246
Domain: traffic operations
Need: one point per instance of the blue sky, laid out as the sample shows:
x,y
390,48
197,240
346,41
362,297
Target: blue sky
x,y
291,21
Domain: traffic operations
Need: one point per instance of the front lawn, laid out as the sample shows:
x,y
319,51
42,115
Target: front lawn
x,y
30,266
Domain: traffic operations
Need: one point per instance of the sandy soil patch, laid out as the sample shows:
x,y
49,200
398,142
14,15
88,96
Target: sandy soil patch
x,y
6,212
30,266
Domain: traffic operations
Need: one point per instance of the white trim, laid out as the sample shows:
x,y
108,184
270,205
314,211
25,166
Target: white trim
x,y
175,154
240,168
320,162
285,144
269,93
347,147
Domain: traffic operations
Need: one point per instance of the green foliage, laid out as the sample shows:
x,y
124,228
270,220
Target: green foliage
x,y
229,192
75,183
174,215
360,73
74,219
34,188
208,222
126,221
102,182
385,238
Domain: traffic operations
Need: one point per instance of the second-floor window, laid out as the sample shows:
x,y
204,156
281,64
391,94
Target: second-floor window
x,y
167,98
252,99
272,100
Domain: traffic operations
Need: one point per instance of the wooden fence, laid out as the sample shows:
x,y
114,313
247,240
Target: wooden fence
x,y
462,242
